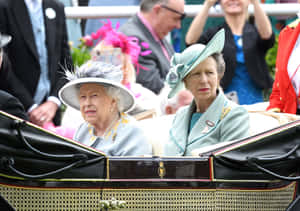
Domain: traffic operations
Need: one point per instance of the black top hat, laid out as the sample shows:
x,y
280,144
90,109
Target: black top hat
x,y
4,40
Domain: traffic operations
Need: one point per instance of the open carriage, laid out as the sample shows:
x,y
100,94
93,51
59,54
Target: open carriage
x,y
42,171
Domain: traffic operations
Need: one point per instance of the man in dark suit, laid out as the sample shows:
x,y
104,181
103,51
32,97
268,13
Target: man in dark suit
x,y
154,21
8,103
38,53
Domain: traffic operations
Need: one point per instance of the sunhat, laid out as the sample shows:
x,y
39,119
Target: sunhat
x,y
183,63
4,40
97,72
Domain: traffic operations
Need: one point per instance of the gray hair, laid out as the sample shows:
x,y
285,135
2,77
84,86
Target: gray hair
x,y
168,101
147,5
218,57
115,94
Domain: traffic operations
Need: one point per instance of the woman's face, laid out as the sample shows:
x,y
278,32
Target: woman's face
x,y
95,104
234,7
109,54
203,81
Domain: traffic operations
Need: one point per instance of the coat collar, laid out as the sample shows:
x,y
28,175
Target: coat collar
x,y
290,37
50,26
23,20
207,122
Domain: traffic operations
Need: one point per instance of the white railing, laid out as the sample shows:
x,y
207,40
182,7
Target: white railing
x,y
191,10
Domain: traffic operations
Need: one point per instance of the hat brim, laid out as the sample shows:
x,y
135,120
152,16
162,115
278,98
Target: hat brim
x,y
215,45
69,93
179,86
4,40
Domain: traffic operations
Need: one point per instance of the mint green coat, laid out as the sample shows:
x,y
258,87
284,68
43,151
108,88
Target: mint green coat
x,y
222,121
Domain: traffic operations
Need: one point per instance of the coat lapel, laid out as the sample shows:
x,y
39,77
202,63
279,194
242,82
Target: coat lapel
x,y
290,41
50,29
180,126
23,20
208,121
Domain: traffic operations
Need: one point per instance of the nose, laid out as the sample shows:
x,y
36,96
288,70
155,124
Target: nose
x,y
202,78
85,102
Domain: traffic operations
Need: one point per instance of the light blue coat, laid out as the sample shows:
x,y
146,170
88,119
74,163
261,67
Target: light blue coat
x,y
223,121
124,139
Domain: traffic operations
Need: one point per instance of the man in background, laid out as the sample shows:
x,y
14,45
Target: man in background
x,y
150,25
170,106
38,53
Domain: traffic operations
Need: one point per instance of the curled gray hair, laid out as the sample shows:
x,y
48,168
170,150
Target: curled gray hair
x,y
115,94
218,57
147,5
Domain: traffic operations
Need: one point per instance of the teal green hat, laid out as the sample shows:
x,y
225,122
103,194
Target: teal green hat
x,y
183,63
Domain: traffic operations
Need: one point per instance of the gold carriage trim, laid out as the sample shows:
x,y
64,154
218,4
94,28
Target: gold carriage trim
x,y
276,199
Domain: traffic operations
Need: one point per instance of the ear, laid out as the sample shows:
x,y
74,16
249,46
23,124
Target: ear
x,y
156,8
169,110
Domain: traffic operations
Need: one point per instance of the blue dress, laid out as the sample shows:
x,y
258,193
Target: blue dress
x,y
248,92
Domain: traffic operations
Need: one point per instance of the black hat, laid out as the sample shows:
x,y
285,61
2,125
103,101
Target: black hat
x,y
4,40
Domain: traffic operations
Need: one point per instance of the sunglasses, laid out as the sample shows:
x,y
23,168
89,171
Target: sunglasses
x,y
182,15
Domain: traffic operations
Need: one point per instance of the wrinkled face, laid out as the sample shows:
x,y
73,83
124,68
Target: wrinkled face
x,y
203,81
95,104
166,19
234,7
107,53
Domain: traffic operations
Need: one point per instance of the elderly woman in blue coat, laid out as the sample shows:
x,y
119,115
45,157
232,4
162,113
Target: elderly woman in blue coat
x,y
211,118
96,90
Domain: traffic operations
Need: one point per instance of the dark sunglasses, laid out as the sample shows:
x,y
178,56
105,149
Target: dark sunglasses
x,y
182,15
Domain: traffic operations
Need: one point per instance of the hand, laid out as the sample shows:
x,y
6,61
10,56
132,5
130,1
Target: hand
x,y
43,113
210,3
254,2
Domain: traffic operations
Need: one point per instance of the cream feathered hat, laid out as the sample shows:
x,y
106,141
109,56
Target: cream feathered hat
x,y
102,73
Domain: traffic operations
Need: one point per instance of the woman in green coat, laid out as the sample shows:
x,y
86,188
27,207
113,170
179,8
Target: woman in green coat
x,y
211,118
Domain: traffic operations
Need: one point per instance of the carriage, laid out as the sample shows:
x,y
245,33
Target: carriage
x,y
40,170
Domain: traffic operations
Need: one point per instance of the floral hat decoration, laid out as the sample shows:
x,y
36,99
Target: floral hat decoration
x,y
98,72
183,63
128,45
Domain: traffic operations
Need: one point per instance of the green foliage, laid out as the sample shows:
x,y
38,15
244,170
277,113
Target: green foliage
x,y
80,54
271,62
271,58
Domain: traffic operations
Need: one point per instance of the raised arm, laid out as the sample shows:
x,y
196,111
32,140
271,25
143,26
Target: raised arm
x,y
262,21
196,27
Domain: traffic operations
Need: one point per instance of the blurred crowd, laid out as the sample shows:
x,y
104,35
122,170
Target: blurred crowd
x,y
200,70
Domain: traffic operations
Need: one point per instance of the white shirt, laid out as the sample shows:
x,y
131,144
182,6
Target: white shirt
x,y
33,4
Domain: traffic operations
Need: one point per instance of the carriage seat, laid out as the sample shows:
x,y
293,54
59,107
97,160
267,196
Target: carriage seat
x,y
157,128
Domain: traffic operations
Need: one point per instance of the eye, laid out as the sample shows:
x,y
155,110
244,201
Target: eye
x,y
94,95
82,97
196,74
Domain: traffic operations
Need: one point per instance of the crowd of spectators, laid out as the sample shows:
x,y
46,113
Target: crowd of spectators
x,y
35,58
